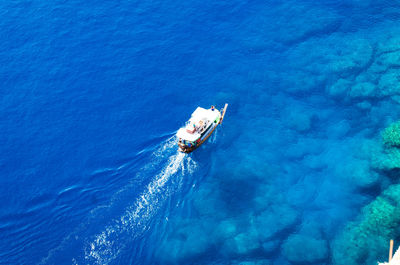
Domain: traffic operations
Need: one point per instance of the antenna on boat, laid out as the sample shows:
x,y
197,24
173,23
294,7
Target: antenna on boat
x,y
393,259
391,250
223,113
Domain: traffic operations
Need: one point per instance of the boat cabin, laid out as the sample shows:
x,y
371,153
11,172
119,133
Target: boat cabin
x,y
199,127
200,120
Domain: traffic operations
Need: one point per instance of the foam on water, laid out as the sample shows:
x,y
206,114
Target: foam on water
x,y
105,246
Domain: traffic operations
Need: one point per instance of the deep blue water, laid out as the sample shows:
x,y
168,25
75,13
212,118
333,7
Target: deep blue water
x,y
92,94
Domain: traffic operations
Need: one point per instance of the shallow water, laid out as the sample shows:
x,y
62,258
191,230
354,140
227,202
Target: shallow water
x,y
93,93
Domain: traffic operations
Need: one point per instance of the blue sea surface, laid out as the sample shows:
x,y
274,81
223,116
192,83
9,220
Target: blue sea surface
x,y
92,94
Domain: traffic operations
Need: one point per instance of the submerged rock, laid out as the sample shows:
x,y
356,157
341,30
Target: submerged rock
x,y
227,228
303,147
354,70
365,240
362,90
305,249
359,173
364,105
189,240
389,83
353,55
206,202
252,262
390,44
299,120
333,56
303,22
389,60
275,219
299,82
339,89
270,246
334,64
241,245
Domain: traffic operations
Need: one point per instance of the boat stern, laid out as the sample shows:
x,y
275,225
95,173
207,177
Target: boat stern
x,y
185,149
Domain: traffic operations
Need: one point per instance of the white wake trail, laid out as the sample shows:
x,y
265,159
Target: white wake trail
x,y
149,199
105,246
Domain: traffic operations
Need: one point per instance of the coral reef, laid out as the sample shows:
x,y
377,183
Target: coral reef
x,y
391,135
384,155
365,240
386,160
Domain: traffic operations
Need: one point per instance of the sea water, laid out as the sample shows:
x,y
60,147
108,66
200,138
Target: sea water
x,y
93,93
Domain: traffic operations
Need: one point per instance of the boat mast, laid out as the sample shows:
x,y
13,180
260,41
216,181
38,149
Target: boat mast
x,y
391,250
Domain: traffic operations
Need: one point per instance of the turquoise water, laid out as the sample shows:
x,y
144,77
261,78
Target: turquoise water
x,y
93,93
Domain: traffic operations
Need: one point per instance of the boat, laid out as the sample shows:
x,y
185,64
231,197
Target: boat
x,y
199,127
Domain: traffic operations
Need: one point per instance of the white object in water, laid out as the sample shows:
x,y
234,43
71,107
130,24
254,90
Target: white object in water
x,y
199,127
